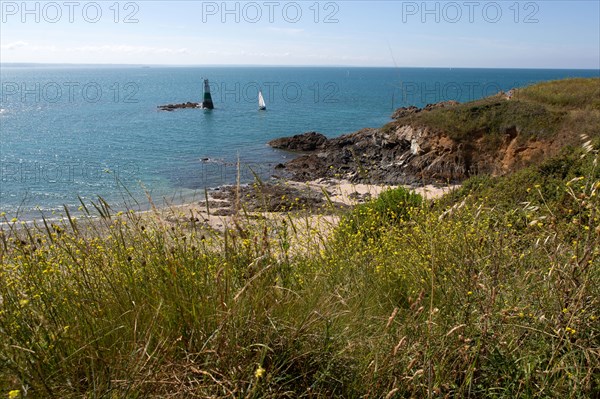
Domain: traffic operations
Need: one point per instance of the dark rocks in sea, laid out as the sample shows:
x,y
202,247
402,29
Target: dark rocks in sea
x,y
173,107
206,104
301,142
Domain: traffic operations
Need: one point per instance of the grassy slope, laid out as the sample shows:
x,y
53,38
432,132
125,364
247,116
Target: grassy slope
x,y
541,111
492,291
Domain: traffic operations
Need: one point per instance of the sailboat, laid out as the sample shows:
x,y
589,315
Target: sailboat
x,y
261,102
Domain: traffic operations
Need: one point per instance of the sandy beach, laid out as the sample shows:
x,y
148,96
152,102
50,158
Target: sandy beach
x,y
328,195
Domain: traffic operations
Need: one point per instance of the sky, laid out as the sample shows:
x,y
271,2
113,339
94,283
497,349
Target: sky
x,y
486,34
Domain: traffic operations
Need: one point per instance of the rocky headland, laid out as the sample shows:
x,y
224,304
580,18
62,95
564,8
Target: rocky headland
x,y
444,143
431,149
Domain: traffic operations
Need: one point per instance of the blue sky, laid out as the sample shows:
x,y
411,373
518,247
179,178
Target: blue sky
x,y
522,34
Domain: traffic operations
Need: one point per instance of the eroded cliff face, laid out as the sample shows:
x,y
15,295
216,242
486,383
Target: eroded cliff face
x,y
410,154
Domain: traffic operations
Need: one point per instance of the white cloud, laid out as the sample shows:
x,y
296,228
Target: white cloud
x,y
14,45
117,49
264,54
123,48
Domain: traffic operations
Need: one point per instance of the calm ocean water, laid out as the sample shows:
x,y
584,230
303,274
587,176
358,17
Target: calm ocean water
x,y
69,132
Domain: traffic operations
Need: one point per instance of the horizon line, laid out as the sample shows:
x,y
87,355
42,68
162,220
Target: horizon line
x,y
75,64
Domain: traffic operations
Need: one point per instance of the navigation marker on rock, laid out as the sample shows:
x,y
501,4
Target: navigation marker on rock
x,y
207,103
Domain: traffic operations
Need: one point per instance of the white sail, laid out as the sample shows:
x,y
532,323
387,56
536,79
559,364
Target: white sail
x,y
261,101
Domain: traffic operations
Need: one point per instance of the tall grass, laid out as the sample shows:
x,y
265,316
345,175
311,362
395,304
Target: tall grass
x,y
404,298
566,93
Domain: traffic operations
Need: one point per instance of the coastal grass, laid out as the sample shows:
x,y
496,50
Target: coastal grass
x,y
577,93
492,291
493,116
559,110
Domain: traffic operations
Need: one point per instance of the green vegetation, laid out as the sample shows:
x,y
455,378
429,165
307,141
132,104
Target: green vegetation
x,y
494,116
567,94
540,111
492,291
546,179
391,206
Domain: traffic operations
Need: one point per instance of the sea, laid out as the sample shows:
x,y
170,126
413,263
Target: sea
x,y
72,134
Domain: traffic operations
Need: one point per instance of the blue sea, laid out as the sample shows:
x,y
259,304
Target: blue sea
x,y
79,132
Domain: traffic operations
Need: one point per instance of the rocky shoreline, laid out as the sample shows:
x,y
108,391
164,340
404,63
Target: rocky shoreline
x,y
404,155
278,196
329,174
326,172
411,150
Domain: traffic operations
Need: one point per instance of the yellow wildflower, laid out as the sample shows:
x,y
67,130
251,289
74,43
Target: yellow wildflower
x,y
15,393
259,372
